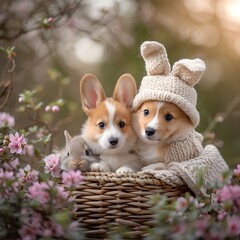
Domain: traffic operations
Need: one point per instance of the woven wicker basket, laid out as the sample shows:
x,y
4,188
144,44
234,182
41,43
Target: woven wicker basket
x,y
107,198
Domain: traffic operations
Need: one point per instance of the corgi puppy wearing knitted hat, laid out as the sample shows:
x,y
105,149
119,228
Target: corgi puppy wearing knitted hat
x,y
108,130
164,110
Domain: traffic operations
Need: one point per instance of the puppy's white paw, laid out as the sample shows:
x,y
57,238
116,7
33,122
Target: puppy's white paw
x,y
149,167
155,166
124,169
98,167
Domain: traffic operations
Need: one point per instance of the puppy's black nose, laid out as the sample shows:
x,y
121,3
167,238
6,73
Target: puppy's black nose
x,y
149,131
113,141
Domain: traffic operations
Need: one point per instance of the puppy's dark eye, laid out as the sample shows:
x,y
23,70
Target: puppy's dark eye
x,y
168,117
87,153
101,125
121,124
68,154
145,112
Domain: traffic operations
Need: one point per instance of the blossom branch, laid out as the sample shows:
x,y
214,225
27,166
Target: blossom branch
x,y
219,118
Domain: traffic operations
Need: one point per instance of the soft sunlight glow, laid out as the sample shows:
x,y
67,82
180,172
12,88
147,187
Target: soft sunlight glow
x,y
232,8
89,51
199,6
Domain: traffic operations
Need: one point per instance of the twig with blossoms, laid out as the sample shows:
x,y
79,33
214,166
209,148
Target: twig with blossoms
x,y
10,68
219,118
36,112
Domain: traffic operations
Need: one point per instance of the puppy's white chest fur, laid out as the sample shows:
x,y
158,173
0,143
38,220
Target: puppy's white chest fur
x,y
121,163
116,161
149,153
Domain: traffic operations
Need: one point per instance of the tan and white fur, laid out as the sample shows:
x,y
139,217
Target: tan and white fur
x,y
108,129
76,155
158,125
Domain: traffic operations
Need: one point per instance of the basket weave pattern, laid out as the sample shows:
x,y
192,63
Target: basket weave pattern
x,y
108,198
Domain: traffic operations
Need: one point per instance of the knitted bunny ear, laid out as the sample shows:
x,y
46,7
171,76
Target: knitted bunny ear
x,y
189,70
155,57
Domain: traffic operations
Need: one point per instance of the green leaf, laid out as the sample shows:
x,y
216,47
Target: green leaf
x,y
54,74
21,109
63,218
64,81
46,139
60,102
33,129
38,106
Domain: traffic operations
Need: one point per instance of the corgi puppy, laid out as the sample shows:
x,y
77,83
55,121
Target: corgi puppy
x,y
161,127
108,130
76,155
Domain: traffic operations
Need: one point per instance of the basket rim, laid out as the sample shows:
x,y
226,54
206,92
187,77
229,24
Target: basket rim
x,y
141,178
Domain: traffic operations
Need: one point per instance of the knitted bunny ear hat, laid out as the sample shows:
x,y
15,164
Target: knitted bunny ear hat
x,y
175,86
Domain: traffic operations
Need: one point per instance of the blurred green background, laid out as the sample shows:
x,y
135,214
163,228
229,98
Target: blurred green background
x,y
58,41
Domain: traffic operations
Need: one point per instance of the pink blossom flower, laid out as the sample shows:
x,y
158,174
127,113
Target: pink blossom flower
x,y
52,165
6,120
215,234
11,164
20,99
27,232
201,225
195,202
47,108
221,215
39,192
35,221
55,108
8,184
181,204
200,228
6,176
29,150
29,217
72,178
233,226
27,174
17,144
41,132
228,193
236,171
51,229
50,20
180,228
42,192
73,226
61,193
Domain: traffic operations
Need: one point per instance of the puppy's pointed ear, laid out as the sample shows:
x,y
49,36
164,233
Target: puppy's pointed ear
x,y
91,91
68,138
125,90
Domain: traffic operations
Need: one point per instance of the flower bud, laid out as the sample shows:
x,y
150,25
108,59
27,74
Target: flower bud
x,y
55,108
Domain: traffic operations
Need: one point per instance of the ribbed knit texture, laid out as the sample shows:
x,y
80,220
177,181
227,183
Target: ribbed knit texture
x,y
210,163
182,150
